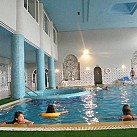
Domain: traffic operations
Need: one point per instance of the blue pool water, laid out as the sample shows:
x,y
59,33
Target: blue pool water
x,y
93,107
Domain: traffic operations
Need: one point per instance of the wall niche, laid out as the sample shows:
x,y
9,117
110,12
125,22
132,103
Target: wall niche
x,y
71,68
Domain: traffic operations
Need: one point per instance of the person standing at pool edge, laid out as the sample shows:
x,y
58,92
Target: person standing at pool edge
x,y
132,75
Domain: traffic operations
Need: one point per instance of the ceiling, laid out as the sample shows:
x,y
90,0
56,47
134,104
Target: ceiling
x,y
73,15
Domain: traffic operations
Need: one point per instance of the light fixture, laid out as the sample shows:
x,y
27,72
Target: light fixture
x,y
87,68
78,13
86,52
56,70
123,66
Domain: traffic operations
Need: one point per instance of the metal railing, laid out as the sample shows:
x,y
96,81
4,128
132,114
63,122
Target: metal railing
x,y
31,91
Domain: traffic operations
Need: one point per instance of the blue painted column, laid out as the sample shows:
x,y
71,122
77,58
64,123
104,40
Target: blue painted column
x,y
51,72
40,70
17,67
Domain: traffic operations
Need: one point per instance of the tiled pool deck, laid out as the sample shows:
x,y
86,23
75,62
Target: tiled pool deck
x,y
70,127
63,127
14,103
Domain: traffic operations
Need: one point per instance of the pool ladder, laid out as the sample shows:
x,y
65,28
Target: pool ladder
x,y
31,91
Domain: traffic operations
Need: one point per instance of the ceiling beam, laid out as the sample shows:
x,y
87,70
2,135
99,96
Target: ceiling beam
x,y
85,8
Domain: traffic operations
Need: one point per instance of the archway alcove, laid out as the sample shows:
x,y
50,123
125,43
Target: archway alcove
x,y
71,68
34,78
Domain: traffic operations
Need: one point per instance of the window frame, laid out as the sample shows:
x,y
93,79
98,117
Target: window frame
x,y
36,9
44,23
54,35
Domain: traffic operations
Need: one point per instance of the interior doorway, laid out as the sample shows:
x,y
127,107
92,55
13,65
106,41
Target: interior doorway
x,y
97,75
34,78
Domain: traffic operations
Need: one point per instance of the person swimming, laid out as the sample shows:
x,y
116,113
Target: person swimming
x,y
127,114
19,119
100,88
50,112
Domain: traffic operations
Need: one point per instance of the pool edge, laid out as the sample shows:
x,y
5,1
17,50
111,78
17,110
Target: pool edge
x,y
69,127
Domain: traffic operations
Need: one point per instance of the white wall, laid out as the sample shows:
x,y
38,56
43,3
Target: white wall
x,y
8,13
29,71
110,48
32,33
55,51
46,43
5,89
31,29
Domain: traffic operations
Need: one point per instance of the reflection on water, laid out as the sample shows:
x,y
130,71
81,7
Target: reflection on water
x,y
89,107
124,95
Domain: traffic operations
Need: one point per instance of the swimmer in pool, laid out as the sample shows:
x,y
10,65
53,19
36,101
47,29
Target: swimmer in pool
x,y
19,119
127,114
51,109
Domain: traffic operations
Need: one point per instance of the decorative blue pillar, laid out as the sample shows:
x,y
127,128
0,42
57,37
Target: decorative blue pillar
x,y
40,70
17,67
51,72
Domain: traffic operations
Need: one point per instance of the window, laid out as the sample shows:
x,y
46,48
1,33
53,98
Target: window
x,y
37,11
54,36
46,24
32,6
25,4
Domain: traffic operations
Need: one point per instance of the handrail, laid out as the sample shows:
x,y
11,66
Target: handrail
x,y
32,82
32,90
27,93
61,81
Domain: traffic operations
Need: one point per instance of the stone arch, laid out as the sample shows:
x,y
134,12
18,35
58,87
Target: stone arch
x,y
34,77
71,68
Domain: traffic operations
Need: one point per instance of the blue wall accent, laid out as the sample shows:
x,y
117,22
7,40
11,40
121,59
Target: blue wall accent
x,y
17,67
51,72
40,69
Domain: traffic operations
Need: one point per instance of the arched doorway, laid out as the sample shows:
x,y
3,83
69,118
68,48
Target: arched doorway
x,y
46,78
34,78
97,75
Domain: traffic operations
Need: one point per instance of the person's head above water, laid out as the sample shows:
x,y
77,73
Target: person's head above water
x,y
50,109
18,116
126,110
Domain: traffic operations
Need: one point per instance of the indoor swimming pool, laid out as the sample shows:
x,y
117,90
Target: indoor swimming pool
x,y
97,106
